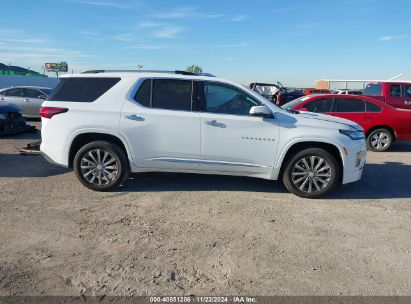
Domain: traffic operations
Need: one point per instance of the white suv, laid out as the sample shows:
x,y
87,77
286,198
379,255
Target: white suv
x,y
106,124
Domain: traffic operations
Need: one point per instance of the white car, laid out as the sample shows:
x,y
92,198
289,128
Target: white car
x,y
107,124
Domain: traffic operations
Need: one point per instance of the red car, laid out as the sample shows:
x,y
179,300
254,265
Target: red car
x,y
382,123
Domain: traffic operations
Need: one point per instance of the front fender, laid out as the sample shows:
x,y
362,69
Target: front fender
x,y
284,150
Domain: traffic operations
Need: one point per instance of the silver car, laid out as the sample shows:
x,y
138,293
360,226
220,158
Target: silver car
x,y
28,99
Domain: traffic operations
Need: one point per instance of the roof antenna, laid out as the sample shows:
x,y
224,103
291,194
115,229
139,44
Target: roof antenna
x,y
395,77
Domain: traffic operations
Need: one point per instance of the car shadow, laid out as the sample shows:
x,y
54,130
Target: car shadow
x,y
16,165
35,135
159,182
379,181
400,147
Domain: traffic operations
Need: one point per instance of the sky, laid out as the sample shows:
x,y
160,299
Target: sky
x,y
295,42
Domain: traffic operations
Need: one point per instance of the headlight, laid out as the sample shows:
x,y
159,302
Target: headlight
x,y
2,116
353,134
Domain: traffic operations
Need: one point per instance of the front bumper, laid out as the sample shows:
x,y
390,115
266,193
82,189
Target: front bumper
x,y
354,162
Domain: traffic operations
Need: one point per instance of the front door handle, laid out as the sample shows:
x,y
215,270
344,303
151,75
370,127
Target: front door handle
x,y
407,102
215,123
26,99
2,98
135,117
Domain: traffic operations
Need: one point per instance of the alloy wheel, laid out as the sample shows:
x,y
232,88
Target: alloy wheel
x,y
99,167
379,140
311,174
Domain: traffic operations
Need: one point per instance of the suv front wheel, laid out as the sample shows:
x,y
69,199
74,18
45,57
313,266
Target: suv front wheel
x,y
311,173
101,165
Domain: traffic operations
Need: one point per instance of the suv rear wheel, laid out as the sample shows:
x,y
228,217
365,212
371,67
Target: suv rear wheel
x,y
101,165
311,173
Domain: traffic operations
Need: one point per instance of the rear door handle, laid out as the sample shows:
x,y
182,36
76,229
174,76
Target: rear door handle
x,y
26,99
135,117
407,102
215,123
2,98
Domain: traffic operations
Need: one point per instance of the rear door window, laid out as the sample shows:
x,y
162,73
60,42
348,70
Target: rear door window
x,y
82,89
15,92
320,105
349,105
32,93
172,94
395,90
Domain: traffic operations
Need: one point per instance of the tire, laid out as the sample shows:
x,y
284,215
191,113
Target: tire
x,y
101,165
311,182
379,140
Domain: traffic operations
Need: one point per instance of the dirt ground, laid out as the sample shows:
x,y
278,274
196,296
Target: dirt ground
x,y
176,234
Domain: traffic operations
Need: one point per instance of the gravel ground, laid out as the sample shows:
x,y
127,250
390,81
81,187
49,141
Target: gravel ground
x,y
176,234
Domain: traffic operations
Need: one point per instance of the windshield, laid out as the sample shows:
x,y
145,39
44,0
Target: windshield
x,y
295,102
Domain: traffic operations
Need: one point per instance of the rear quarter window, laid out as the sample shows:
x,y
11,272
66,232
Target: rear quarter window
x,y
372,107
82,89
373,90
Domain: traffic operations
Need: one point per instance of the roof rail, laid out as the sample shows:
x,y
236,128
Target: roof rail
x,y
148,71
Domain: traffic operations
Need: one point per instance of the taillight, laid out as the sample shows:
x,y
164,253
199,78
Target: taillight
x,y
49,112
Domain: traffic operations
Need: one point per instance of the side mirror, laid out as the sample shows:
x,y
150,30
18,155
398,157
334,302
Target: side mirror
x,y
261,111
44,97
304,110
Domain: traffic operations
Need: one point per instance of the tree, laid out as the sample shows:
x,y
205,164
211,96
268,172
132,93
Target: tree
x,y
194,69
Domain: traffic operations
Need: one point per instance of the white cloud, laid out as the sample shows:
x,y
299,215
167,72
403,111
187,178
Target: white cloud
x,y
145,47
308,25
23,40
148,24
124,37
168,32
90,33
185,12
238,18
389,38
233,45
106,3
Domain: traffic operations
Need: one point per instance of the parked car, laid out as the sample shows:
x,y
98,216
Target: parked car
x,y
316,91
11,120
108,124
27,98
396,94
276,93
382,123
349,92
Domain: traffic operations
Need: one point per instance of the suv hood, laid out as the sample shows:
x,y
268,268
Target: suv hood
x,y
8,107
329,118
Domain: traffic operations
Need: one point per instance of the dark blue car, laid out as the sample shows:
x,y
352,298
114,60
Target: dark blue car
x,y
11,120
